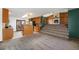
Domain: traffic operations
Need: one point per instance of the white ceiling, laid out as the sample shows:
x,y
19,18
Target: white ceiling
x,y
19,12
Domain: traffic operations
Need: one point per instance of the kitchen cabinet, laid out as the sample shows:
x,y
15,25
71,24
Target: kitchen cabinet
x,y
7,34
28,30
5,15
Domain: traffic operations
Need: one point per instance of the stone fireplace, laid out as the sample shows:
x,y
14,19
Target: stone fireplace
x,y
56,21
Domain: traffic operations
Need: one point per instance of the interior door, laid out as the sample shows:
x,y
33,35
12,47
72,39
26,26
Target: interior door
x,y
19,25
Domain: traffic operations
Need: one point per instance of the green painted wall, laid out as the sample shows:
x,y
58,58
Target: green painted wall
x,y
43,21
73,23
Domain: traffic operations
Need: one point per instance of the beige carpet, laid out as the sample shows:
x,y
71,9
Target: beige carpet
x,y
55,30
40,41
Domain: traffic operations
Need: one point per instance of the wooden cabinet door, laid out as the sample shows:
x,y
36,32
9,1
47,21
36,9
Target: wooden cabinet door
x,y
28,30
7,34
5,15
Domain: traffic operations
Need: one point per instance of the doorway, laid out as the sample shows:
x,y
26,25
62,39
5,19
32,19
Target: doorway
x,y
19,25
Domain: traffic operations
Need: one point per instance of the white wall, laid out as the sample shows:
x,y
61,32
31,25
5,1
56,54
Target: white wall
x,y
0,24
12,22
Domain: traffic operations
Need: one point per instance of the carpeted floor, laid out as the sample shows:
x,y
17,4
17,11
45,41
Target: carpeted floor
x,y
55,30
39,41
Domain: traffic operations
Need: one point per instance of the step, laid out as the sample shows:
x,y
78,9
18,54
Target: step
x,y
64,29
57,35
60,30
57,32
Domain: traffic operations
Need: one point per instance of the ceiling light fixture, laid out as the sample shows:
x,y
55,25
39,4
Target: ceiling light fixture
x,y
9,12
24,16
27,15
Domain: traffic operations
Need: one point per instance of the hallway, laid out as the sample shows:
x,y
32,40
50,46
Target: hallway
x,y
40,41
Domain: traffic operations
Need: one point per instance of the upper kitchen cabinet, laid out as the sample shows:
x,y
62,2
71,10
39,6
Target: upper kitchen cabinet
x,y
5,15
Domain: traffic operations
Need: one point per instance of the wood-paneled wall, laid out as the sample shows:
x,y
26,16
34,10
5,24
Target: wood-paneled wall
x,y
37,20
64,18
49,18
5,15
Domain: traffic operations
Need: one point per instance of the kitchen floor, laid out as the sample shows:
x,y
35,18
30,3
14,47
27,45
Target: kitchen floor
x,y
40,41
